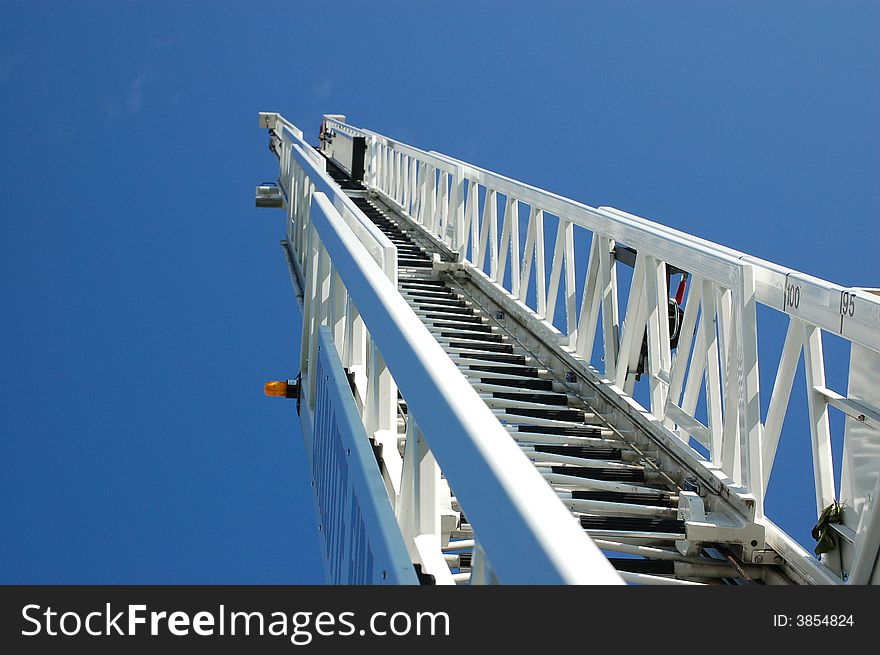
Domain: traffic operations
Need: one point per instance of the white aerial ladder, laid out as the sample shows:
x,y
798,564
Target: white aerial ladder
x,y
472,349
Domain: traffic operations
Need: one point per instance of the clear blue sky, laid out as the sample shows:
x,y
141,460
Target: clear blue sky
x,y
145,300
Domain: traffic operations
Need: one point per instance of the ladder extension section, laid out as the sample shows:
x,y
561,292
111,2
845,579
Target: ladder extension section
x,y
507,434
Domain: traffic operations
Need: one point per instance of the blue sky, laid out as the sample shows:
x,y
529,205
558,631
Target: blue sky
x,y
145,300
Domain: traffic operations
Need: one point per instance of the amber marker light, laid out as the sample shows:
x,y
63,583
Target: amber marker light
x,y
277,388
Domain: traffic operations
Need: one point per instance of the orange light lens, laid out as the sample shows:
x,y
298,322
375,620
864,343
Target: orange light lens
x,y
276,388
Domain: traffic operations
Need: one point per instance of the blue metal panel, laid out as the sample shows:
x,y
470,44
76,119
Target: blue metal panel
x,y
360,536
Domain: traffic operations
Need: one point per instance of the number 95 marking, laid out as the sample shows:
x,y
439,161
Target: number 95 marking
x,y
847,304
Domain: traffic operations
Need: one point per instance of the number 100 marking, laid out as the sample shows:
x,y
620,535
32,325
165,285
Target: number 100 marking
x,y
792,296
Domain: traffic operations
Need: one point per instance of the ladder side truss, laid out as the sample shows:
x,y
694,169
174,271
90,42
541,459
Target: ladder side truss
x,y
617,324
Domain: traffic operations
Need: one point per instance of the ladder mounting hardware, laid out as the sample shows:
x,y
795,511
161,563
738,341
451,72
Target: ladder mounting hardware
x,y
268,194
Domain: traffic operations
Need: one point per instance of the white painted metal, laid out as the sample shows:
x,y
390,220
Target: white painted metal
x,y
459,207
509,501
860,477
725,287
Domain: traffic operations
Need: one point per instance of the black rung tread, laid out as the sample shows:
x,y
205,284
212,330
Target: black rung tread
x,y
572,415
434,316
471,336
486,347
474,342
418,284
367,207
381,220
640,523
597,473
348,184
445,302
536,384
495,357
431,294
341,178
463,311
410,254
562,430
557,399
393,230
477,329
526,371
647,566
653,500
423,293
580,451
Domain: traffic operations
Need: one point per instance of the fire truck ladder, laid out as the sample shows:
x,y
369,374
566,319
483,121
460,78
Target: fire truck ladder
x,y
470,414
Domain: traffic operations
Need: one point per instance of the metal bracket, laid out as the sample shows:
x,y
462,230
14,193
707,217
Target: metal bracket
x,y
766,556
716,528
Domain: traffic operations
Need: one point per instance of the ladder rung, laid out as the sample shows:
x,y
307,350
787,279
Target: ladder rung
x,y
489,357
547,398
605,473
562,430
652,498
617,509
464,327
633,523
536,384
586,442
635,565
591,484
580,451
569,415
545,459
469,335
506,370
637,534
438,316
